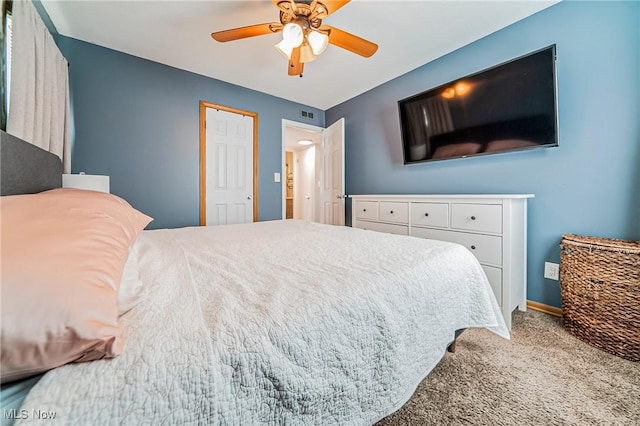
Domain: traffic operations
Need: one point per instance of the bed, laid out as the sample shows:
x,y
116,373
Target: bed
x,y
280,322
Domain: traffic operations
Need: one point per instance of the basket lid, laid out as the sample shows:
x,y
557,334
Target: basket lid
x,y
626,246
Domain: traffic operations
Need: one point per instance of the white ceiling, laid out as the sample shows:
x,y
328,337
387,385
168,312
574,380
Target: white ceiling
x,y
177,33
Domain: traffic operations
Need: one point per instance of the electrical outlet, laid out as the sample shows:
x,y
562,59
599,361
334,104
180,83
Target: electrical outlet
x,y
551,270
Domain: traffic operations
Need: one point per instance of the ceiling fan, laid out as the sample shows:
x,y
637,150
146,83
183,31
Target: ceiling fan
x,y
303,35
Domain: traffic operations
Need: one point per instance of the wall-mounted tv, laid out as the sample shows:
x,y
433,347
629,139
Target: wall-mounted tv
x,y
509,107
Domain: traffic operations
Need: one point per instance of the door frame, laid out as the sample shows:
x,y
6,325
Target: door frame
x,y
203,155
283,173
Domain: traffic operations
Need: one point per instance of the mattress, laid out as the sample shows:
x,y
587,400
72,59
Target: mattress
x,y
283,322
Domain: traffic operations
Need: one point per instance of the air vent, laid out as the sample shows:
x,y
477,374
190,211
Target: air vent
x,y
306,114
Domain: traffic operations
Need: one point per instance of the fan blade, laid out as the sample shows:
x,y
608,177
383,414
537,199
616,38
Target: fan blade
x,y
244,32
295,66
333,5
320,9
350,42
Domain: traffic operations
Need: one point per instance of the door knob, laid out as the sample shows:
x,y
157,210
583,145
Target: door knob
x,y
249,197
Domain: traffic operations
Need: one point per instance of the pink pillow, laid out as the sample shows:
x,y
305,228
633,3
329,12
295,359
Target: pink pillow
x,y
63,254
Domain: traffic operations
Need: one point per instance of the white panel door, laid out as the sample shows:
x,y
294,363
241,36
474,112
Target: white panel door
x,y
303,189
332,176
229,177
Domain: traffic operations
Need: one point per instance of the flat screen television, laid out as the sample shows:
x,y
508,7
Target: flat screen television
x,y
508,107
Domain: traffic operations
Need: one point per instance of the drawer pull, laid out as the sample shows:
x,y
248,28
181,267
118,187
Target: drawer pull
x,y
364,210
473,247
473,218
426,214
391,211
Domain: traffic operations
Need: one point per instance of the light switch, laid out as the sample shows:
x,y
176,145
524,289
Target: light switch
x,y
276,177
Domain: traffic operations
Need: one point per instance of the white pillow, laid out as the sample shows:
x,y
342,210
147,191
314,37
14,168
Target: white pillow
x,y
130,293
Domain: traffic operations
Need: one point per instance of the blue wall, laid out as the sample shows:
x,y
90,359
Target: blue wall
x,y
138,122
589,185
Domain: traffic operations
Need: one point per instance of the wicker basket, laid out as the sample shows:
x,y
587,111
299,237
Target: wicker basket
x,y
600,286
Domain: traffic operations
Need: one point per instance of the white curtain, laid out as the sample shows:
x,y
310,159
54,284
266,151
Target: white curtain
x,y
39,94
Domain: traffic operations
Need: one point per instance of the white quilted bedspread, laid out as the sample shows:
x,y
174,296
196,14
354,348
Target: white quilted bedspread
x,y
283,322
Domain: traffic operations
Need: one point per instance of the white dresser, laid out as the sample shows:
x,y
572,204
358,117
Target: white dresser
x,y
492,227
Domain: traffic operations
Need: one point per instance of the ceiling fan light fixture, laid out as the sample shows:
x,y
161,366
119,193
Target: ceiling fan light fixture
x,y
284,48
304,37
306,53
292,34
318,41
292,37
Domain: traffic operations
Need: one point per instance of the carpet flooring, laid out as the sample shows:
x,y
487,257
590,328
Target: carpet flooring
x,y
542,376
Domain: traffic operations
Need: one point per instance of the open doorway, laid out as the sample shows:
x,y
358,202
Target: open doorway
x,y
299,177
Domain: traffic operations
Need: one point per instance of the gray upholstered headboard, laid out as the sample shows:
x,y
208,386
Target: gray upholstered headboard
x,y
25,168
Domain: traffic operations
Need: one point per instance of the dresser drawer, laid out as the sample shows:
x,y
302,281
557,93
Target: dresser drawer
x,y
384,227
477,217
393,212
487,248
494,275
430,214
366,209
